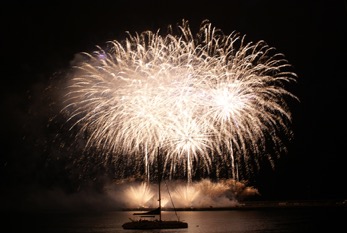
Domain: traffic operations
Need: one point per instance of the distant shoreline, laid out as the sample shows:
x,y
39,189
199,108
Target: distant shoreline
x,y
255,205
241,206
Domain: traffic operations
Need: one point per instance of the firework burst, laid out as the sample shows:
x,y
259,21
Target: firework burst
x,y
200,99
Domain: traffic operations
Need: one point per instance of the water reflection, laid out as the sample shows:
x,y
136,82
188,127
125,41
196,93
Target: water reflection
x,y
235,221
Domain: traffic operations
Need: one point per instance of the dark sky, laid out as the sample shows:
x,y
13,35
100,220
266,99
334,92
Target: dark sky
x,y
38,41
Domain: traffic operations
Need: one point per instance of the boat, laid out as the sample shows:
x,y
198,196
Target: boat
x,y
153,219
149,221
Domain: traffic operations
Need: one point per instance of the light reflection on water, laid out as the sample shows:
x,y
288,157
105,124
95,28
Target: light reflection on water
x,y
235,221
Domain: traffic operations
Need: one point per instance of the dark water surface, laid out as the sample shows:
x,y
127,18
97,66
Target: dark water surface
x,y
238,221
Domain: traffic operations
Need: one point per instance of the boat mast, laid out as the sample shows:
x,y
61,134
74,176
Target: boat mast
x,y
159,181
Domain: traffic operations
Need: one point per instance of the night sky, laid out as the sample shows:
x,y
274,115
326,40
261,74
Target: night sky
x,y
38,42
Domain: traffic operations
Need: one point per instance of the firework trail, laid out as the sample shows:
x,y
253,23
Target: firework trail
x,y
200,99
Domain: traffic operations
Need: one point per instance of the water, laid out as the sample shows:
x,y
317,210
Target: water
x,y
237,221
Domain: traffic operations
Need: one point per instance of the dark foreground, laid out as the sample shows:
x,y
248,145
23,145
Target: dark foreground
x,y
255,217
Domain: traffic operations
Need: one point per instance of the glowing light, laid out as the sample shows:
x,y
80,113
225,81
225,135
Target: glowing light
x,y
185,195
201,194
139,195
198,98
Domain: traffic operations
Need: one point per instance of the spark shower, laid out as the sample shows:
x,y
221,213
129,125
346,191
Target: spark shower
x,y
211,103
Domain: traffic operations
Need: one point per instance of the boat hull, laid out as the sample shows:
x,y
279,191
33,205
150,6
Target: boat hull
x,y
146,224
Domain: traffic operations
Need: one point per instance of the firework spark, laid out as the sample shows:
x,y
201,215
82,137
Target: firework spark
x,y
203,98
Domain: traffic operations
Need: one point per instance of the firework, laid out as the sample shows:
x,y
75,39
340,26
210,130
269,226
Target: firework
x,y
208,100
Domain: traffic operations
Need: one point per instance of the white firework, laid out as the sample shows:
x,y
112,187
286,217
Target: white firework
x,y
197,98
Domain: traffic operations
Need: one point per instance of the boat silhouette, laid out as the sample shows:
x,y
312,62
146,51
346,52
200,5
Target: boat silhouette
x,y
153,219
